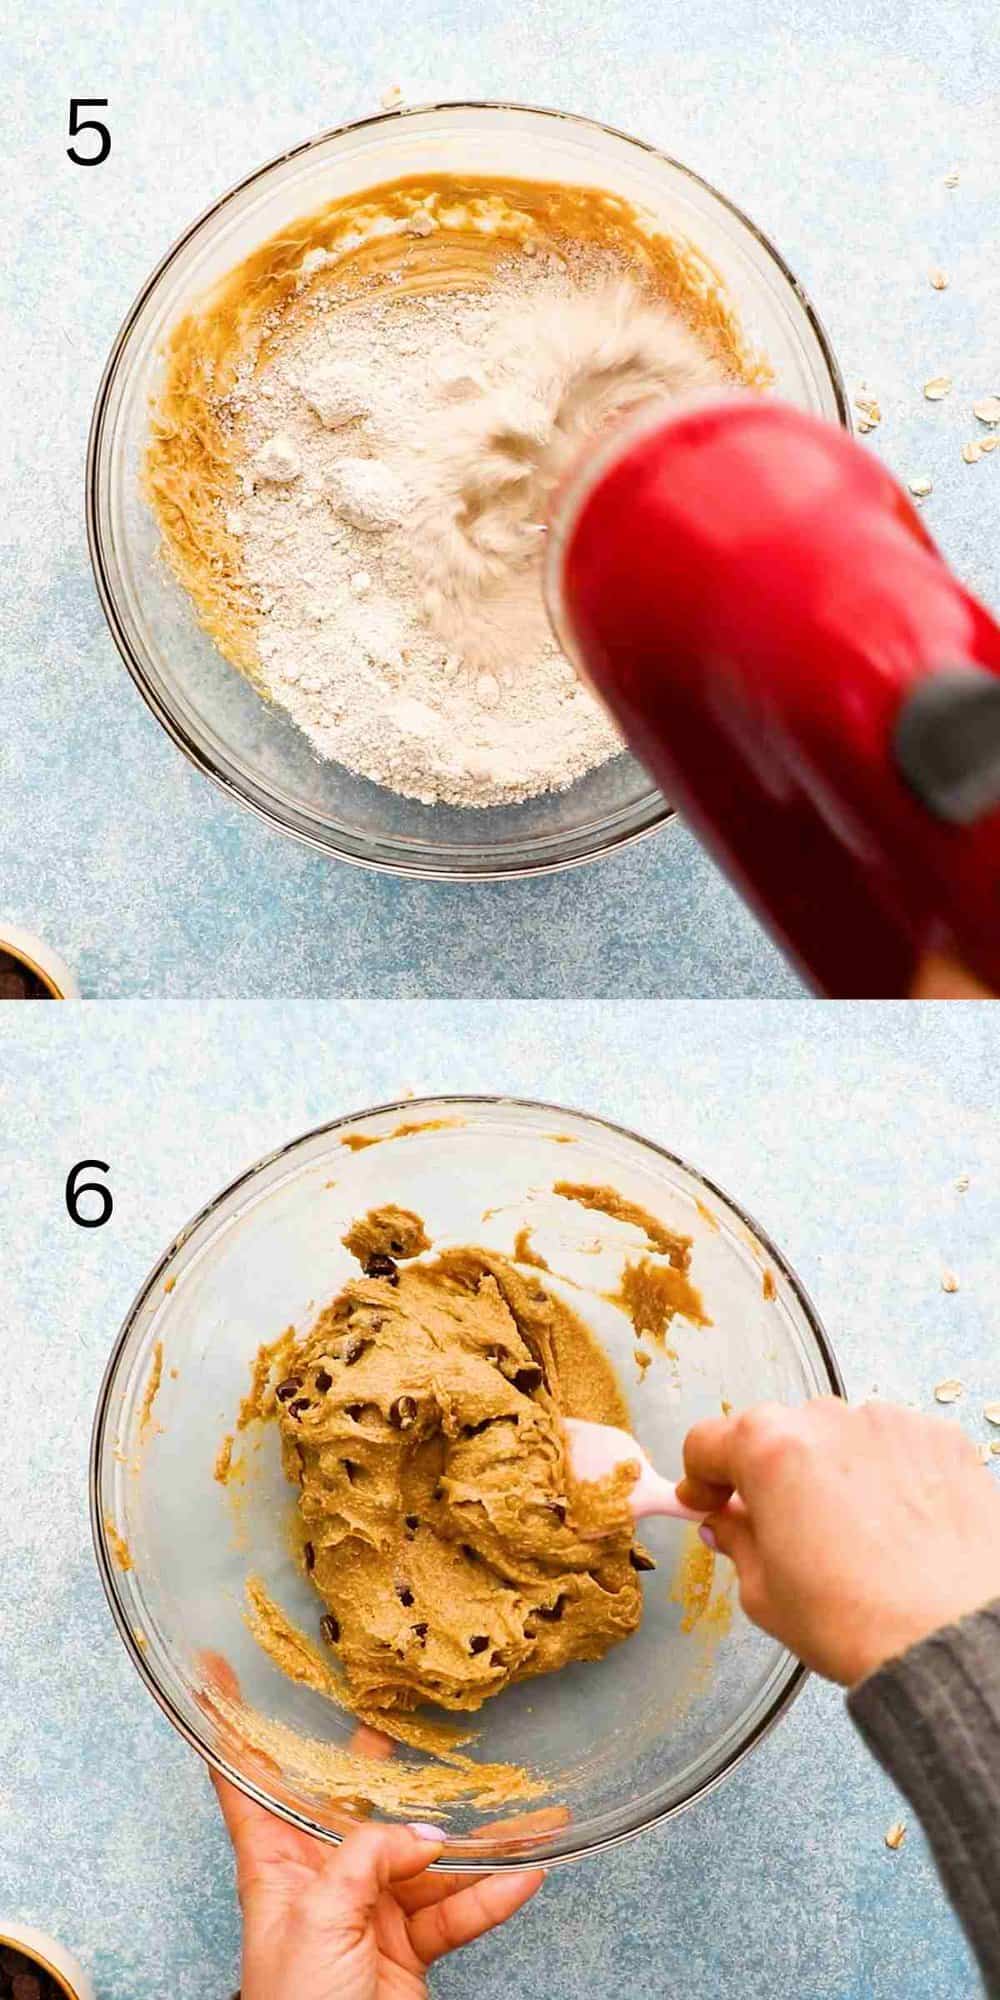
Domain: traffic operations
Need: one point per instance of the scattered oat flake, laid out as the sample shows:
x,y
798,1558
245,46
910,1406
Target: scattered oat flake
x,y
988,444
951,179
987,409
391,97
962,1184
895,1835
948,1392
939,279
971,452
949,1282
938,386
921,486
992,1413
869,407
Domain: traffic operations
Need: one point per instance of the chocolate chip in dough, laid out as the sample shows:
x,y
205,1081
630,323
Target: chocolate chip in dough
x,y
552,1612
479,1643
324,1381
403,1413
301,1403
329,1627
286,1390
527,1378
350,1349
411,1523
405,1594
640,1560
378,1265
419,1631
476,1430
309,1554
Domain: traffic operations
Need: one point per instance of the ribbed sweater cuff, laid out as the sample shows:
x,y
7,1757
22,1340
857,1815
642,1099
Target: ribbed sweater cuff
x,y
932,1718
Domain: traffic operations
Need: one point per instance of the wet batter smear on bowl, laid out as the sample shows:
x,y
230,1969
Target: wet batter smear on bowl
x,y
355,443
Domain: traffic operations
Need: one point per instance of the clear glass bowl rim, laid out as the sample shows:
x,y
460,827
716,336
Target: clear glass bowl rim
x,y
650,813
794,1673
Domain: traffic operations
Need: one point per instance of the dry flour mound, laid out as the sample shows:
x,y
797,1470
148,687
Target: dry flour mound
x,y
402,454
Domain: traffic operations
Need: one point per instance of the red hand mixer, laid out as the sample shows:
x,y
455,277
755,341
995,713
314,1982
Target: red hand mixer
x,y
761,609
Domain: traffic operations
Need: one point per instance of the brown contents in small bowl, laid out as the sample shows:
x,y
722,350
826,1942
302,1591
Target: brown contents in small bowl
x,y
21,981
22,1978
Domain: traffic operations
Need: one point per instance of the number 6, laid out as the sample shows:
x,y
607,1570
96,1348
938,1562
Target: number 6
x,y
75,1188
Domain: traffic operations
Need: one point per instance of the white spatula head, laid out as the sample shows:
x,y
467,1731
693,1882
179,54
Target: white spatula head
x,y
596,1449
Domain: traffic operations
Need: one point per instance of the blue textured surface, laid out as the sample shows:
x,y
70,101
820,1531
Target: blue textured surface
x,y
843,1130
834,127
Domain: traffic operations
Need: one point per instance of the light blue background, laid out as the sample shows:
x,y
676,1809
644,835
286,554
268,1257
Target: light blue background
x,y
833,125
842,1130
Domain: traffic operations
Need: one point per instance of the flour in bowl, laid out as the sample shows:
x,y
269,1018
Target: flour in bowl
x,y
401,453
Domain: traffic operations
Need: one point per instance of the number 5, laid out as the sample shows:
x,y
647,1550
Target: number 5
x,y
78,125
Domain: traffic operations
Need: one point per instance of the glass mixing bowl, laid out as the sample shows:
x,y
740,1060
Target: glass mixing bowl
x,y
614,1746
253,749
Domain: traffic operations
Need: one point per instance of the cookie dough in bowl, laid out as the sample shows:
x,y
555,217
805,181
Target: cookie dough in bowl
x,y
421,1420
310,1512
324,449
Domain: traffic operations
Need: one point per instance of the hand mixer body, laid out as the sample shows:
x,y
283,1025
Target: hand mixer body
x,y
759,606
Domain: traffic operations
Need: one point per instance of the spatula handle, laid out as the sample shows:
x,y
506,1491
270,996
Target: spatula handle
x,y
662,1499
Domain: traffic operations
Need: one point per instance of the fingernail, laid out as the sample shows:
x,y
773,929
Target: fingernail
x,y
424,1831
707,1535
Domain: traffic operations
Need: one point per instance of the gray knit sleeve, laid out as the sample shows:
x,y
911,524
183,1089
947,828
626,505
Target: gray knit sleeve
x,y
932,1718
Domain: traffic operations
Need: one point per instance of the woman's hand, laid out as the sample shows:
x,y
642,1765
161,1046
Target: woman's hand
x,y
363,1921
855,1532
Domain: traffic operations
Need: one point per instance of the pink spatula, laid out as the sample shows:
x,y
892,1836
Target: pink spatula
x,y
596,1449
